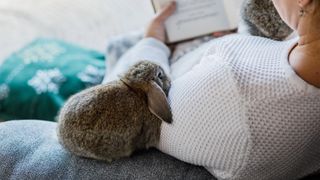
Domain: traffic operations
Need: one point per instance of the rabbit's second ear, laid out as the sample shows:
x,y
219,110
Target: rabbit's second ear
x,y
158,103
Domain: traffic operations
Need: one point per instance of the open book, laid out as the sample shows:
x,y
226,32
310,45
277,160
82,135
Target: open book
x,y
195,18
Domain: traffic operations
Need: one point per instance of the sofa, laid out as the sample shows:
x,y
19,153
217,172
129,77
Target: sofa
x,y
29,149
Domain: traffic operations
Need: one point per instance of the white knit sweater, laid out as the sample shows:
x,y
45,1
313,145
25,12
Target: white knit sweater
x,y
238,108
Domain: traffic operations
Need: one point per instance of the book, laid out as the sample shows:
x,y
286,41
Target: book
x,y
194,18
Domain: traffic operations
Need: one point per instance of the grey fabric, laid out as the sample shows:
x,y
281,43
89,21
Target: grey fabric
x,y
30,150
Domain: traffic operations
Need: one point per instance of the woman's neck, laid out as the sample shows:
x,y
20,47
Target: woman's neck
x,y
305,59
308,40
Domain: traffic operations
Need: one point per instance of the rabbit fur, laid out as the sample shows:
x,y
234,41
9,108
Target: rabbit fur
x,y
262,19
110,121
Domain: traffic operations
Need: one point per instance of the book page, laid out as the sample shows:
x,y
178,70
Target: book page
x,y
194,18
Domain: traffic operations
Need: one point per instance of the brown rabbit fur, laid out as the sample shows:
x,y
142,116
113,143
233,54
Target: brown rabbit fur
x,y
262,19
107,122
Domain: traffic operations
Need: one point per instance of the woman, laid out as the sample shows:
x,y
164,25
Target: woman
x,y
247,107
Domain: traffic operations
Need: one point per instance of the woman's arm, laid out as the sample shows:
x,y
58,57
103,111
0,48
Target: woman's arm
x,y
151,48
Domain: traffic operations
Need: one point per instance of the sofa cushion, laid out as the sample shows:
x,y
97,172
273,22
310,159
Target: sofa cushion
x,y
29,149
35,81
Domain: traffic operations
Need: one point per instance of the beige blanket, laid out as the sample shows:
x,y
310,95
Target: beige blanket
x,y
85,22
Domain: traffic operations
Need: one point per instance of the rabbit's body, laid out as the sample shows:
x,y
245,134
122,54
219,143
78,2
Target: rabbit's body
x,y
108,122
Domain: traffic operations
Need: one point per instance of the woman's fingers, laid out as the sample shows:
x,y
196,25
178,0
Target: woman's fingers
x,y
156,28
166,12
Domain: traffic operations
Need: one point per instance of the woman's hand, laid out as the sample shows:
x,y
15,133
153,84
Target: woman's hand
x,y
156,28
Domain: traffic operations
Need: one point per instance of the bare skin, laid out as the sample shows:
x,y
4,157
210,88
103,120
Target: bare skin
x,y
304,57
156,27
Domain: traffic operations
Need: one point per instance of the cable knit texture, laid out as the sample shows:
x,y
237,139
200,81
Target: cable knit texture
x,y
243,113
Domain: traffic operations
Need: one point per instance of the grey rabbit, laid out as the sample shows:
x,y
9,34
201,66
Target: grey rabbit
x,y
110,121
262,19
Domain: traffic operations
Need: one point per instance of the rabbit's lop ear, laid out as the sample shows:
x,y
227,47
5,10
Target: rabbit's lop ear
x,y
158,103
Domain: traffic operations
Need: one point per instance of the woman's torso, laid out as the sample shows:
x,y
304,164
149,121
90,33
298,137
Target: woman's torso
x,y
242,109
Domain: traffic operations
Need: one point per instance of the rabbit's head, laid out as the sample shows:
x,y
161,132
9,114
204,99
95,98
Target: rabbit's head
x,y
151,80
262,19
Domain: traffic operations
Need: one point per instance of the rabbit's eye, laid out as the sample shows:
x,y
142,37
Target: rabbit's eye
x,y
160,75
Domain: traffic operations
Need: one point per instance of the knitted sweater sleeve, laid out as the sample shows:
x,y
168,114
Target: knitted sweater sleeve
x,y
147,49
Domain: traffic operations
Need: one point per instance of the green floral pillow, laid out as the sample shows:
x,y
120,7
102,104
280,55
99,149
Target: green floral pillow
x,y
36,81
